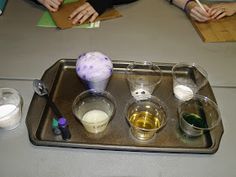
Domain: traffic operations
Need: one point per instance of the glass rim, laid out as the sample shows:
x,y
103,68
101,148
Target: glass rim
x,y
107,95
189,65
144,63
160,103
205,98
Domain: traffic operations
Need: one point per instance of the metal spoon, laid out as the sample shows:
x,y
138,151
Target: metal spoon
x,y
41,90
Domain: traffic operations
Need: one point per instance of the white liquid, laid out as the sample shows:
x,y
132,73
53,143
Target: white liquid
x,y
183,92
10,116
95,121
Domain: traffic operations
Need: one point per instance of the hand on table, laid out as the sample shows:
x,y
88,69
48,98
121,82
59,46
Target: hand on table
x,y
197,13
52,5
218,11
83,13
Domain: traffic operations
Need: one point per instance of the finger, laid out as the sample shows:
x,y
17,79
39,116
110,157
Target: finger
x,y
197,18
78,10
56,2
77,18
93,18
84,18
87,13
217,13
212,11
200,14
206,7
52,9
221,16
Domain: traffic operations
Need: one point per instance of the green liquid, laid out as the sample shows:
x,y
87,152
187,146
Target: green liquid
x,y
194,120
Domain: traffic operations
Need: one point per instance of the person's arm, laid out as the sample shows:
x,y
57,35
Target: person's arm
x,y
93,8
193,9
221,10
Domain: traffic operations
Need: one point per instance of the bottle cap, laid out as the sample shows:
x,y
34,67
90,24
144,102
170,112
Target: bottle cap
x,y
54,123
62,121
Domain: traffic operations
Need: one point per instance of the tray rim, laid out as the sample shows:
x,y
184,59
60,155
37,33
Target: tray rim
x,y
34,140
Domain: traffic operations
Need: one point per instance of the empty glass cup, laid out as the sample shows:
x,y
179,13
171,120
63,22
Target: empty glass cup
x,y
143,77
187,80
198,115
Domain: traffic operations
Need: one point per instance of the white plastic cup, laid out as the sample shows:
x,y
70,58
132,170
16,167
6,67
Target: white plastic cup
x,y
10,108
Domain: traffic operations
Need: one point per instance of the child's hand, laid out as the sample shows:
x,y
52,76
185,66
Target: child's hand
x,y
197,13
218,11
82,13
52,5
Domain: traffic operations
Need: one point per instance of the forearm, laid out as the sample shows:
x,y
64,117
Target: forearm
x,y
179,3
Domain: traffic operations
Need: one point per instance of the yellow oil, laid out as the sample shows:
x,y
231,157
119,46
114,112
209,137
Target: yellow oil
x,y
144,120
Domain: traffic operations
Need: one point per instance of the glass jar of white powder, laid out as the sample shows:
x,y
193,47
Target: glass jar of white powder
x,y
10,108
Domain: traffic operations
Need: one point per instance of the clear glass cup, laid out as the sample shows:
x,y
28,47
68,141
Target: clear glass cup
x,y
94,109
198,115
10,108
143,77
188,79
146,116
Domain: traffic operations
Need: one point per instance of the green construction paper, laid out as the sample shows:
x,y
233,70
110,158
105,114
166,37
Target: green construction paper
x,y
47,21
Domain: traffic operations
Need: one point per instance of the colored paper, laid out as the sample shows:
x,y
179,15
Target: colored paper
x,y
60,17
47,21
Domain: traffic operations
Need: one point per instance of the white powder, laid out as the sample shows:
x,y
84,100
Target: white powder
x,y
10,116
6,109
183,92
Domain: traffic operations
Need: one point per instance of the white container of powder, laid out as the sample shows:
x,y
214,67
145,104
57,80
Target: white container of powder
x,y
10,108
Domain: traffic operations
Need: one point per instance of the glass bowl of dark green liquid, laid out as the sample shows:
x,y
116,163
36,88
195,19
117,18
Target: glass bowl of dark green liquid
x,y
198,115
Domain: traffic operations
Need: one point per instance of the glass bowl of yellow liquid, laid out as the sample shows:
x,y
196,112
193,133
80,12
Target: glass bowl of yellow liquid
x,y
94,109
146,116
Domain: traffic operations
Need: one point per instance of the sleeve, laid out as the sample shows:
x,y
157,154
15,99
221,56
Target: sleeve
x,y
100,5
35,1
117,2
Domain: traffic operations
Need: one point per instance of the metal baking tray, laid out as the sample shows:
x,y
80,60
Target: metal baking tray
x,y
64,85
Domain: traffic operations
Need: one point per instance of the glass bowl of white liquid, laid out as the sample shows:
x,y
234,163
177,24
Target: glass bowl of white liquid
x,y
94,109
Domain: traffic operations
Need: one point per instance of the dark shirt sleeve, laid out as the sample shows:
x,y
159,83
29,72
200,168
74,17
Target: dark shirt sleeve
x,y
117,2
101,5
36,1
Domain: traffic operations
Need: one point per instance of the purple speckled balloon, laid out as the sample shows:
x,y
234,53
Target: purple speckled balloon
x,y
94,66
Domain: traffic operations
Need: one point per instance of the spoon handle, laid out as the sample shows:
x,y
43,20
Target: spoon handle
x,y
53,107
